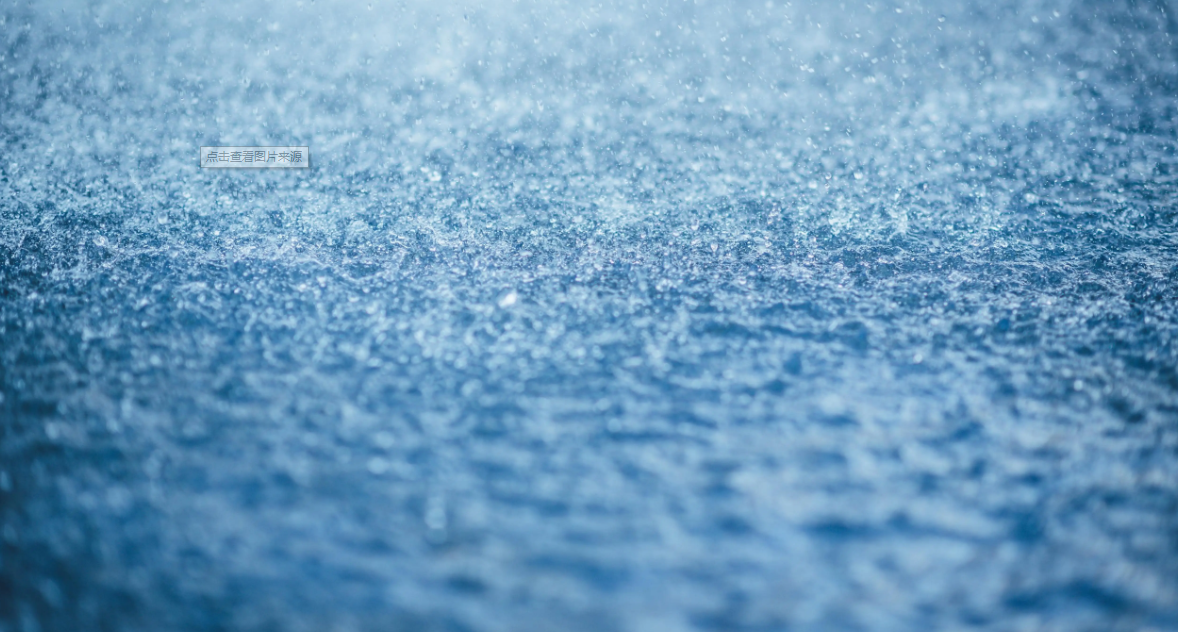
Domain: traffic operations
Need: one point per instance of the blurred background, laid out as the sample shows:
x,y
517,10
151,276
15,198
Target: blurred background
x,y
682,315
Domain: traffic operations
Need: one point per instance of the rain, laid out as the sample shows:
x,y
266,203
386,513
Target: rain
x,y
675,315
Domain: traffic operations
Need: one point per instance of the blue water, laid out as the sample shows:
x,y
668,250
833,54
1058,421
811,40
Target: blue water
x,y
683,316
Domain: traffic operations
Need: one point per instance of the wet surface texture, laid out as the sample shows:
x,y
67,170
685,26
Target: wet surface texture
x,y
677,316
